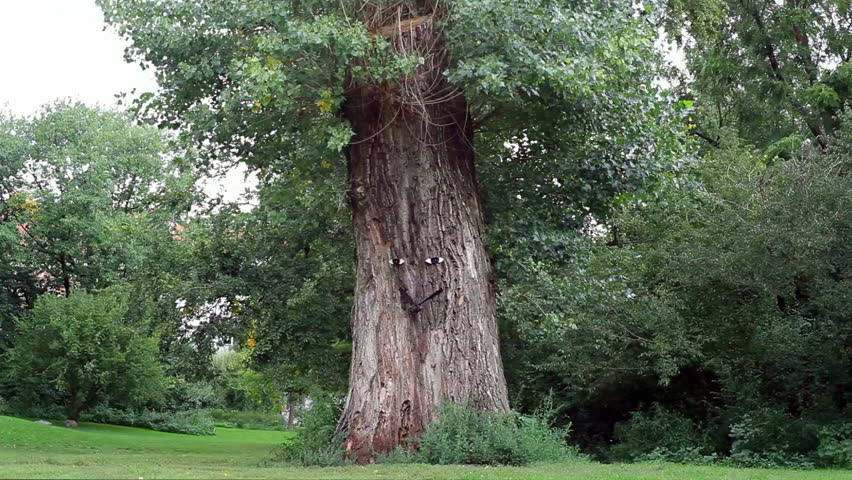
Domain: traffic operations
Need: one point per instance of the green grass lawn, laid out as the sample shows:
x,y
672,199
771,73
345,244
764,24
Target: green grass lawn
x,y
30,450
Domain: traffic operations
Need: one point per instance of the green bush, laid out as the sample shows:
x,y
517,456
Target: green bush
x,y
662,435
464,435
37,411
317,443
543,442
184,395
191,422
769,459
83,350
683,455
835,445
769,438
247,417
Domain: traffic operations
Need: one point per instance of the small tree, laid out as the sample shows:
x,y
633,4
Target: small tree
x,y
82,347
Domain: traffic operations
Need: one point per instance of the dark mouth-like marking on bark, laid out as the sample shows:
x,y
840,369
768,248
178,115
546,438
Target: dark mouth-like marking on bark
x,y
409,303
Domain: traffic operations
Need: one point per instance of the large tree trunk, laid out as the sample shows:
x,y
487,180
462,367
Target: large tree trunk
x,y
414,196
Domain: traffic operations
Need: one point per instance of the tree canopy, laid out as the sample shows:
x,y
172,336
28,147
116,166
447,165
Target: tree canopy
x,y
264,82
777,72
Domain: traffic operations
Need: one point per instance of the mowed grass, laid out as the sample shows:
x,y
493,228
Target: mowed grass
x,y
30,450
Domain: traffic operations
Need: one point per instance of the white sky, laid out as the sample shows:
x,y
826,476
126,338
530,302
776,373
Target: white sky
x,y
51,49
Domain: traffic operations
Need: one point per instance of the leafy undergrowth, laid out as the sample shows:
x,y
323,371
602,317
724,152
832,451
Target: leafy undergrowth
x,y
30,450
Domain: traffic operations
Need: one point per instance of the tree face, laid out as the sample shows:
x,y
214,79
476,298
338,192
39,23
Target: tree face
x,y
424,330
409,92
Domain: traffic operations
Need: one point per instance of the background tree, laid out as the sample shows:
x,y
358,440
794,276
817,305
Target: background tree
x,y
776,72
749,239
725,297
281,277
89,197
17,286
88,200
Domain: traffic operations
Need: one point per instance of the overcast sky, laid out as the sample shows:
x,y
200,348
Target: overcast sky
x,y
53,49
57,48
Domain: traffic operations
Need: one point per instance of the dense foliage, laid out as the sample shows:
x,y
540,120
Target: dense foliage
x,y
726,296
86,200
283,278
775,72
709,315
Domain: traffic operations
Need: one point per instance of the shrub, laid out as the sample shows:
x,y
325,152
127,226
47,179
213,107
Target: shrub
x,y
662,435
189,422
769,438
835,445
684,455
184,395
464,435
37,411
247,417
769,459
317,443
401,455
83,350
543,442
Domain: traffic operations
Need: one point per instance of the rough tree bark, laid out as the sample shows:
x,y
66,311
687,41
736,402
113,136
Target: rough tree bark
x,y
414,196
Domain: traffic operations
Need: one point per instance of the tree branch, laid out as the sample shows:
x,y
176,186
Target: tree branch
x,y
776,73
712,141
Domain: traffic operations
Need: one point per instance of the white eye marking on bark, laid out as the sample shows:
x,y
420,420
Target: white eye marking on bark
x,y
397,261
434,260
